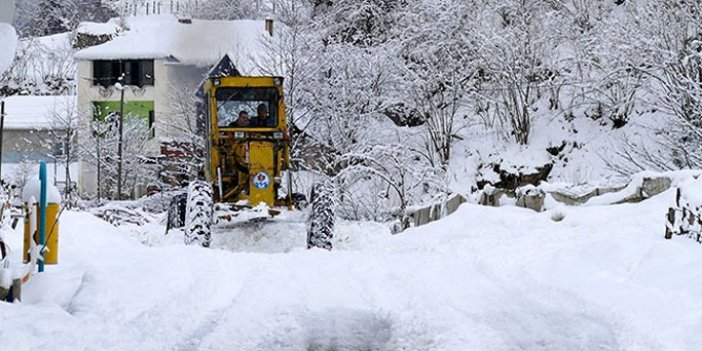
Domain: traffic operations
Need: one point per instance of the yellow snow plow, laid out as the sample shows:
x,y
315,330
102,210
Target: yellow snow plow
x,y
247,156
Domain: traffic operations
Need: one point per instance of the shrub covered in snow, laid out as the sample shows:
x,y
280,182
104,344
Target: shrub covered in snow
x,y
322,216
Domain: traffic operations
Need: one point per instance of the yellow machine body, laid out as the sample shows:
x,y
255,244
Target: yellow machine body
x,y
52,234
246,162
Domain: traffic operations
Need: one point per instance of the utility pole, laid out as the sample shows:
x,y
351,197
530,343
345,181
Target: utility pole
x,y
98,133
119,148
99,183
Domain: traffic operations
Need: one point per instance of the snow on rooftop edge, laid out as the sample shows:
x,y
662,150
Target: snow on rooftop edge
x,y
36,112
94,28
201,43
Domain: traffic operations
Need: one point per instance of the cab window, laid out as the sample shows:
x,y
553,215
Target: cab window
x,y
247,107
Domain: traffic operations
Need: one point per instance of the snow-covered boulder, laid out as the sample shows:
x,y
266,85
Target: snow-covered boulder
x,y
514,168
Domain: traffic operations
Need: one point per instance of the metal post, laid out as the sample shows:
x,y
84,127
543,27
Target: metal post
x,y
42,213
119,147
99,183
97,133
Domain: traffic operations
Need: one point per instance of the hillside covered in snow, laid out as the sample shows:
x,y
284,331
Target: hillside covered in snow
x,y
403,102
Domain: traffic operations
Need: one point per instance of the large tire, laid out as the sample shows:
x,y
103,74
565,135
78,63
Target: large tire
x,y
198,214
320,230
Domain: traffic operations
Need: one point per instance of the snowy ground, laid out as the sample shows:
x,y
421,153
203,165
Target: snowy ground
x,y
603,278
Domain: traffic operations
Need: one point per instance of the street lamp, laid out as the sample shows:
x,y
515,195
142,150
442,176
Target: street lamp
x,y
121,89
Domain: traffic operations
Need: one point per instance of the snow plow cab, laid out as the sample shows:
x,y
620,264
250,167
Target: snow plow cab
x,y
248,143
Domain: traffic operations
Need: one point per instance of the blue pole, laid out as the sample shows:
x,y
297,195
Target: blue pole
x,y
42,213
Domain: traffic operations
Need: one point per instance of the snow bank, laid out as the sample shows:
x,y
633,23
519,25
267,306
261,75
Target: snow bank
x,y
33,188
677,178
481,279
8,45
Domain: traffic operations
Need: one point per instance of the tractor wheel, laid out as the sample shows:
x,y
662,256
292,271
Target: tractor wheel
x,y
320,230
198,214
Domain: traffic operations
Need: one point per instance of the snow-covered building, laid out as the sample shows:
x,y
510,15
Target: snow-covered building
x,y
162,60
29,125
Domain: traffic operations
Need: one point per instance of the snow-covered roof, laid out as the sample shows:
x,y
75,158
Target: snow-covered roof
x,y
38,112
93,28
201,42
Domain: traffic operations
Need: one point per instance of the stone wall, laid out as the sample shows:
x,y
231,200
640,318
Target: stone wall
x,y
436,210
534,198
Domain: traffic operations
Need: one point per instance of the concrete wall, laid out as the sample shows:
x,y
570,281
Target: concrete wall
x,y
21,144
436,211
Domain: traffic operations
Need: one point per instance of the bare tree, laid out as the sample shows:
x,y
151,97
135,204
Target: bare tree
x,y
99,149
40,68
62,141
403,171
291,53
516,56
183,147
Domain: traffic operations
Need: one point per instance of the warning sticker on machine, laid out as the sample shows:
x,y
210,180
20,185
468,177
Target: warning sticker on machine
x,y
261,180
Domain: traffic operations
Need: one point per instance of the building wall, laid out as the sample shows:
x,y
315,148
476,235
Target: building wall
x,y
174,86
24,144
184,81
90,95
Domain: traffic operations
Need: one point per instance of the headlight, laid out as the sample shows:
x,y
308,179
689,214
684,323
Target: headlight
x,y
278,135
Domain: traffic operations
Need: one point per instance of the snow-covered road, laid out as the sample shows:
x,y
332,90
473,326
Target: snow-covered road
x,y
504,278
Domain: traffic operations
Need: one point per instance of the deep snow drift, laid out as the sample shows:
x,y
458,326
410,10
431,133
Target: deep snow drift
x,y
602,278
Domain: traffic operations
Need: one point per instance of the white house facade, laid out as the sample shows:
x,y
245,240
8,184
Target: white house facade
x,y
159,61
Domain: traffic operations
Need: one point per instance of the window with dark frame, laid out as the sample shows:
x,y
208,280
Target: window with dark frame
x,y
136,72
231,101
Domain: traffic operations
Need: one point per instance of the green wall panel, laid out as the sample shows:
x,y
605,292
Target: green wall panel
x,y
131,108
